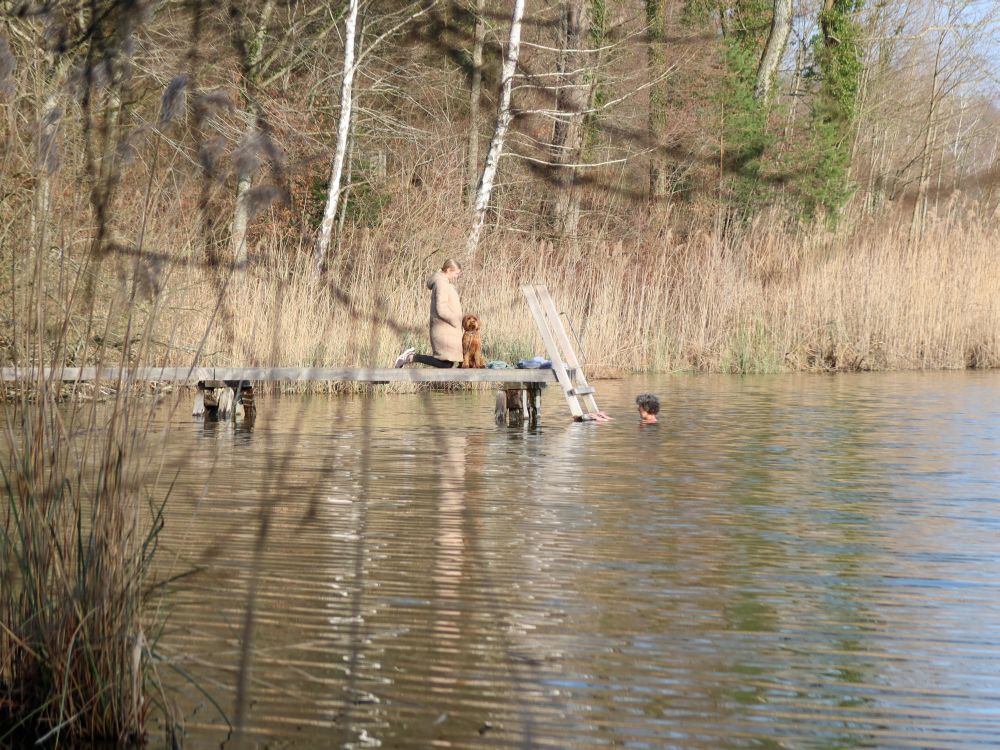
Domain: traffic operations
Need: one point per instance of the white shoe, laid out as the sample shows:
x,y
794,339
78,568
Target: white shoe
x,y
405,358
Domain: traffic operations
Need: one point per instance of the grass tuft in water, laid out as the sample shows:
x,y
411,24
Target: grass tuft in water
x,y
751,350
77,536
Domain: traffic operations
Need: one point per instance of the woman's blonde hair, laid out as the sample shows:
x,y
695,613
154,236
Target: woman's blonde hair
x,y
450,264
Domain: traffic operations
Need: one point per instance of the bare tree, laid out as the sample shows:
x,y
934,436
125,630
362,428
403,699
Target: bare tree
x,y
254,43
475,92
352,62
485,188
572,101
657,118
920,204
343,127
927,64
781,27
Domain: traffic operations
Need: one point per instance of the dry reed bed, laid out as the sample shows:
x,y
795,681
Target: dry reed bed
x,y
78,534
770,300
78,522
78,531
766,302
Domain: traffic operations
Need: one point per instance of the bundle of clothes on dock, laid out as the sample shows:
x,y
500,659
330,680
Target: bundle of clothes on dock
x,y
535,363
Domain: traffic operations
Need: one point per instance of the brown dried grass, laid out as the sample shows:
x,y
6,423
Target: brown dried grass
x,y
771,300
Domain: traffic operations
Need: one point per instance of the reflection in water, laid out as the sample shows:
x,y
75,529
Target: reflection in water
x,y
449,555
782,562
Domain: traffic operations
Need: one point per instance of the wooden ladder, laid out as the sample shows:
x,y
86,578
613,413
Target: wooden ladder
x,y
564,360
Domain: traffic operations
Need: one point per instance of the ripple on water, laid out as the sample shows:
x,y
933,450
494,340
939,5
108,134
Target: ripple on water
x,y
790,561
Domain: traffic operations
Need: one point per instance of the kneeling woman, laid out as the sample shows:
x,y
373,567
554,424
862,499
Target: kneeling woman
x,y
446,321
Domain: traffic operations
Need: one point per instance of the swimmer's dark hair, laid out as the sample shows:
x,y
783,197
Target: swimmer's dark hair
x,y
649,403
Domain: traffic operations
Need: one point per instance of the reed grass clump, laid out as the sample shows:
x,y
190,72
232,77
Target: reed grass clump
x,y
750,349
766,299
78,525
77,535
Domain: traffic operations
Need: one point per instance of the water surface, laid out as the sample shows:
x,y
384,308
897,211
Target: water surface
x,y
787,561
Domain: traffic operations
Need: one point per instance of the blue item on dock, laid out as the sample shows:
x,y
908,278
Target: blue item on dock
x,y
535,363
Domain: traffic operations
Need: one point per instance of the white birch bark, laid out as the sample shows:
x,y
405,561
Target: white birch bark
x,y
781,27
241,220
343,127
503,122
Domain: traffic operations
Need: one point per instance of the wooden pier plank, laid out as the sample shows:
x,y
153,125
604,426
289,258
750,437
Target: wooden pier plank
x,y
290,374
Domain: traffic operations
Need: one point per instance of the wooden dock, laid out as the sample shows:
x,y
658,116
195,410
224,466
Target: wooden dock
x,y
230,390
194,375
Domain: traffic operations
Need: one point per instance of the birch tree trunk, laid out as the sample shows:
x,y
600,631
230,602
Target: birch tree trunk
x,y
47,148
343,127
503,122
46,162
475,93
657,120
251,75
919,205
571,103
781,27
241,221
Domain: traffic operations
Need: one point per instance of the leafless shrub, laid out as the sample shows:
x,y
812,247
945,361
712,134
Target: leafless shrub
x,y
208,105
210,153
172,101
260,198
7,67
48,133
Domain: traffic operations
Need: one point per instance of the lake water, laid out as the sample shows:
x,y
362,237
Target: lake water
x,y
783,562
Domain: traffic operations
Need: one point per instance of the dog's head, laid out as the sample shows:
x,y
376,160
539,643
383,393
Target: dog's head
x,y
470,323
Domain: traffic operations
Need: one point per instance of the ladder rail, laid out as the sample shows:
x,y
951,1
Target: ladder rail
x,y
531,297
579,344
563,340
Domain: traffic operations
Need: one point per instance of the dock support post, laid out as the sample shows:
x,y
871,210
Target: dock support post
x,y
515,412
199,400
225,401
517,403
534,391
500,410
247,402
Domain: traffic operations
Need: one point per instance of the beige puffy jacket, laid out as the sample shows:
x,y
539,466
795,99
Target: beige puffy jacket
x,y
446,318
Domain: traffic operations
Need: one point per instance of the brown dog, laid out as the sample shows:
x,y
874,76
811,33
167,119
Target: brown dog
x,y
472,345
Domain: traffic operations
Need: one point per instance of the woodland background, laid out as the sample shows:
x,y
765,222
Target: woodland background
x,y
736,186
741,186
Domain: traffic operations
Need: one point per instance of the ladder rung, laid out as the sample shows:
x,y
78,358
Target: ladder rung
x,y
582,390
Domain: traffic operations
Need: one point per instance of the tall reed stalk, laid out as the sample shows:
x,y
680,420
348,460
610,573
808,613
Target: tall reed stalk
x,y
76,541
768,299
78,528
